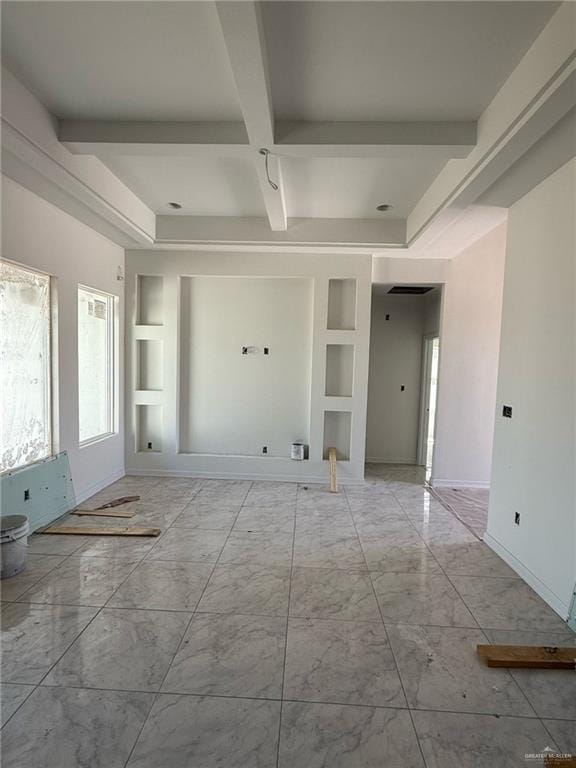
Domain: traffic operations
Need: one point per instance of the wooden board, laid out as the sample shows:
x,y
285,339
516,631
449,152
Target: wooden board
x,y
96,531
119,501
560,761
103,513
333,476
528,656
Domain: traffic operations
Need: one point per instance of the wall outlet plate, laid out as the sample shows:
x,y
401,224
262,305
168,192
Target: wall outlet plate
x,y
507,411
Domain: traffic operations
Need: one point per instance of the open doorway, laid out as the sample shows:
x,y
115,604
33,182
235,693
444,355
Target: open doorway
x,y
403,317
429,390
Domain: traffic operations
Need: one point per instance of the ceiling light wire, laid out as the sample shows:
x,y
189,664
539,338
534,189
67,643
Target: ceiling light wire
x,y
266,153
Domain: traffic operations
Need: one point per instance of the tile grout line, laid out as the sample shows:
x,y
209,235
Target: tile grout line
x,y
424,763
159,691
286,635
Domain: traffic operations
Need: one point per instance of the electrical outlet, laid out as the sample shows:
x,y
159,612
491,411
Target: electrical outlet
x,y
517,518
244,350
264,449
402,388
27,494
266,350
149,446
507,411
387,317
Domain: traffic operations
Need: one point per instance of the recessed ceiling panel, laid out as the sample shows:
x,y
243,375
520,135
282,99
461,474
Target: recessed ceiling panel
x,y
122,60
395,60
353,187
205,186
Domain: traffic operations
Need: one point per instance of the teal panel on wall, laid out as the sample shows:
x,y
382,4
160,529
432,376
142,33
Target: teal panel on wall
x,y
42,491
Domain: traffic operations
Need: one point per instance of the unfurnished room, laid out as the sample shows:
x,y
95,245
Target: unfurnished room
x,y
288,384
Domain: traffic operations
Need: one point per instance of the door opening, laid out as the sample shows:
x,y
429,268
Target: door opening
x,y
431,352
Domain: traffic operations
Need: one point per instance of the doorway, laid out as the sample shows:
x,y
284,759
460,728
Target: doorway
x,y
431,356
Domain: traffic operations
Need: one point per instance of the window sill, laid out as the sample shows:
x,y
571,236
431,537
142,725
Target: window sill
x,y
94,440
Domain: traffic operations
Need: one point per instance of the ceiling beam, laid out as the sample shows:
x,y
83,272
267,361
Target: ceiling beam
x,y
292,139
182,139
374,139
255,232
244,39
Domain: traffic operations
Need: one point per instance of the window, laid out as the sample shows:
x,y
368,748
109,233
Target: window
x,y
25,367
96,369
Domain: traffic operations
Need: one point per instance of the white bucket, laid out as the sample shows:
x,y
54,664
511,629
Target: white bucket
x,y
297,451
13,544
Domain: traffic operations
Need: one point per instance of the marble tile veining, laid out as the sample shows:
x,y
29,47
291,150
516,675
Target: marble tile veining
x,y
74,728
321,593
122,650
204,732
341,662
252,589
230,655
334,736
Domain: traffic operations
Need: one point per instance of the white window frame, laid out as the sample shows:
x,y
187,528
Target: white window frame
x,y
113,365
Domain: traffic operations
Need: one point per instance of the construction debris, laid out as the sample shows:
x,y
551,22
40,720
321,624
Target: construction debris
x,y
96,531
528,656
333,477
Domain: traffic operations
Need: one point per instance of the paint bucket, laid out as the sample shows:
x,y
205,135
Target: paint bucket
x,y
297,451
13,544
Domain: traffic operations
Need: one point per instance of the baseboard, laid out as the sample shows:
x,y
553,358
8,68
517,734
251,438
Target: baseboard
x,y
561,608
282,478
85,493
376,460
441,483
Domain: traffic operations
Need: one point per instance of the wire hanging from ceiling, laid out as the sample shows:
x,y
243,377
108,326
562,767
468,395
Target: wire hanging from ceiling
x,y
266,153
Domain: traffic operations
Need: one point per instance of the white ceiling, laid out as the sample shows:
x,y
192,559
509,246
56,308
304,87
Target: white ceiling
x,y
333,61
204,186
394,60
122,60
353,187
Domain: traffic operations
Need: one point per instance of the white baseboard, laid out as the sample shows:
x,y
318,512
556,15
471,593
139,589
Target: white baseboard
x,y
85,493
376,460
282,478
561,608
441,483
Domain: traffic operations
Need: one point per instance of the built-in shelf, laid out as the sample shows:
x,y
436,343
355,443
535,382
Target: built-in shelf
x,y
339,370
149,367
149,300
337,430
341,304
149,428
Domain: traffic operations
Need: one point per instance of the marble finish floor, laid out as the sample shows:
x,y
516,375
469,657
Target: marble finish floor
x,y
273,625
470,505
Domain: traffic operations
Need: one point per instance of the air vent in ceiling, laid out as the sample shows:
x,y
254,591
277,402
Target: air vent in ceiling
x,y
411,290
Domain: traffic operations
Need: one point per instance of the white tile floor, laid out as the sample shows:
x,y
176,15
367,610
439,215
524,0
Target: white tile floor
x,y
272,625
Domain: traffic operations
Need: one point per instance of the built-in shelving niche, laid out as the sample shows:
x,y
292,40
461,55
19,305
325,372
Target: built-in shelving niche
x,y
342,304
337,430
149,428
149,300
339,370
149,365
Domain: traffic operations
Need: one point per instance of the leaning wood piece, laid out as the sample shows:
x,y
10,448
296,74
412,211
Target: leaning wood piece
x,y
119,501
528,656
96,531
103,513
333,478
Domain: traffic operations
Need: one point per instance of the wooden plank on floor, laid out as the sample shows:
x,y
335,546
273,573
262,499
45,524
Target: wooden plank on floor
x,y
103,513
118,502
333,476
560,761
528,656
77,530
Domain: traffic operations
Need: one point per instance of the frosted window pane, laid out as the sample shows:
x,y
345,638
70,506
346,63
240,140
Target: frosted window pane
x,y
95,327
25,417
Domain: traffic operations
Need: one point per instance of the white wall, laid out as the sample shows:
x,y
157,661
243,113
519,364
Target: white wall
x,y
38,235
395,361
534,452
168,405
234,403
469,346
